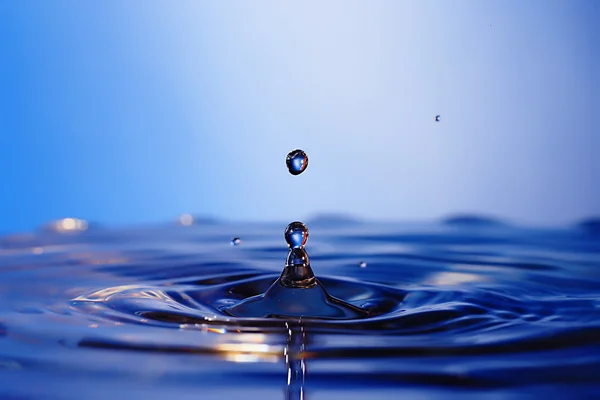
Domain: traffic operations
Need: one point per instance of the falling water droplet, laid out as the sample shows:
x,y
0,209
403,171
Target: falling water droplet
x,y
296,235
296,161
362,264
235,241
437,118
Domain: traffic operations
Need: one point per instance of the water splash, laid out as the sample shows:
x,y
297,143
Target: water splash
x,y
297,292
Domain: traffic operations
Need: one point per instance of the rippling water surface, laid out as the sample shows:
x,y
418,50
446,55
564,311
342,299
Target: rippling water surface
x,y
464,308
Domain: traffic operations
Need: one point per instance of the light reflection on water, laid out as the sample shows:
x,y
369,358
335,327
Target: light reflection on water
x,y
462,311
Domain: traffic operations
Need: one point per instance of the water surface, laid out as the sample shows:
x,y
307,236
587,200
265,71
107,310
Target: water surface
x,y
464,308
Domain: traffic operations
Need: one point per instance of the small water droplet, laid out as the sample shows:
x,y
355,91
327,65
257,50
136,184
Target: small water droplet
x,y
437,118
296,235
296,161
362,264
236,241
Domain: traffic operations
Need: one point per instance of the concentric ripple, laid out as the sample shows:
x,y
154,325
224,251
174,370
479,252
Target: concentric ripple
x,y
451,308
204,301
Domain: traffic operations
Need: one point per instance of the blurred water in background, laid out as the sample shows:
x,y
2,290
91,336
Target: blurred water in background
x,y
126,113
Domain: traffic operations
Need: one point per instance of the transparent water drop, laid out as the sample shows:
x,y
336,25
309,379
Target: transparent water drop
x,y
437,118
296,161
235,241
362,264
296,235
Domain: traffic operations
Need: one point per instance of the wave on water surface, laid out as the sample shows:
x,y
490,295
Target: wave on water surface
x,y
441,310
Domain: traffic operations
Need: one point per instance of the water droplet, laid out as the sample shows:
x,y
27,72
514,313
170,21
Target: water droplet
x,y
362,264
235,241
437,118
296,235
296,161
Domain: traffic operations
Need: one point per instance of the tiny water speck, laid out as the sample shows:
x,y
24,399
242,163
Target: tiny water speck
x,y
236,241
296,161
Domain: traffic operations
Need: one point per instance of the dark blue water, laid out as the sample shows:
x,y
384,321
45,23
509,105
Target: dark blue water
x,y
464,308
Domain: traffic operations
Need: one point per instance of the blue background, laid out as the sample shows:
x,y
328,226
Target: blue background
x,y
135,112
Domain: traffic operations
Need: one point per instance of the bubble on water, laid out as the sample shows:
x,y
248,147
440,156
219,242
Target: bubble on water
x,y
437,118
296,161
236,241
362,264
296,235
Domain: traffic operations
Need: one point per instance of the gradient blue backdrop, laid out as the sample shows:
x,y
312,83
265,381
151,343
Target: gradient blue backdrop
x,y
129,112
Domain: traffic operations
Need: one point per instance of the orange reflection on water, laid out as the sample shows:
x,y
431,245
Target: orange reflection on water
x,y
249,347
